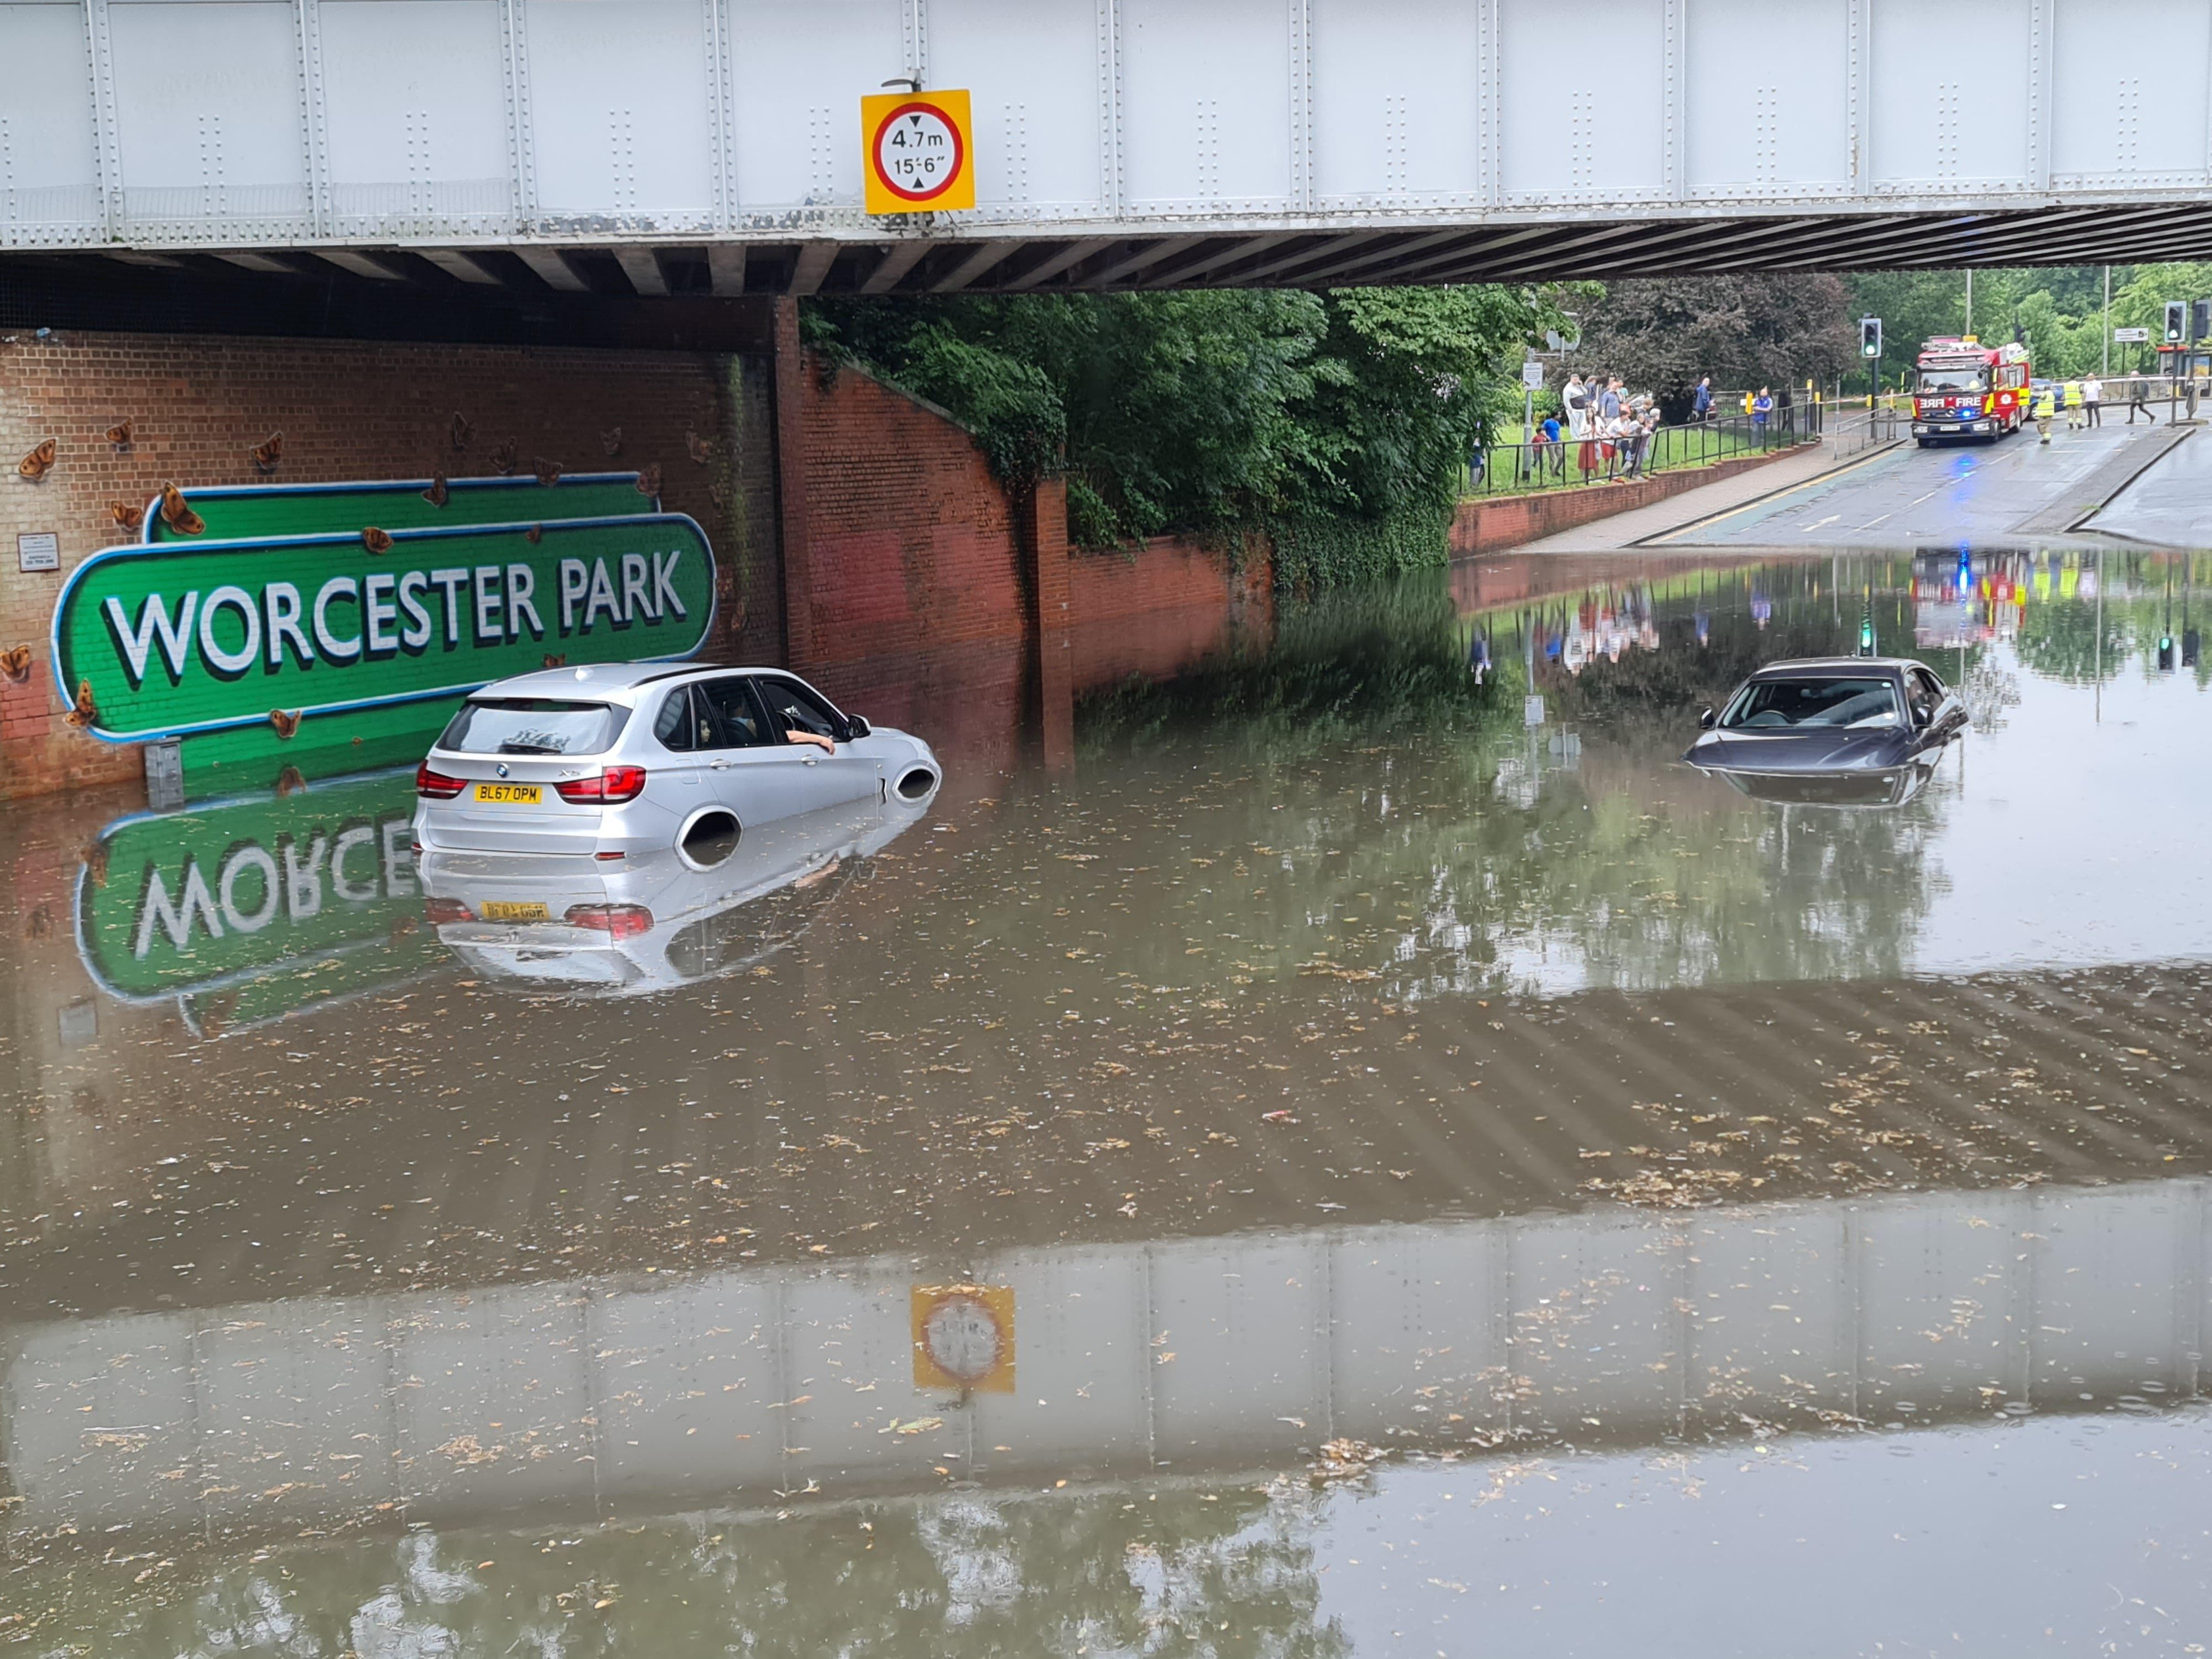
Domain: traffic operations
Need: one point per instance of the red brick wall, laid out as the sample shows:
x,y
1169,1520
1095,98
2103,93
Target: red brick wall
x,y
349,411
1159,610
1486,523
910,543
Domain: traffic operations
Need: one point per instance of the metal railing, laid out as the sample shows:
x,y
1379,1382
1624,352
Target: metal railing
x,y
1504,468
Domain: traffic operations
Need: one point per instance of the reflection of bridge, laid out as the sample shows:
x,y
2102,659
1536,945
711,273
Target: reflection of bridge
x,y
672,148
1611,1325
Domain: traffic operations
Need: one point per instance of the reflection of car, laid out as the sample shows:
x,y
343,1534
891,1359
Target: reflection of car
x,y
631,929
1830,714
645,764
1863,788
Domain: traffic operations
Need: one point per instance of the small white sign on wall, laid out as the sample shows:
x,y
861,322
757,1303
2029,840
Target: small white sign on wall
x,y
38,550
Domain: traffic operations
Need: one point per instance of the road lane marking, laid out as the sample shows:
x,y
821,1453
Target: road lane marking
x,y
1807,529
1871,523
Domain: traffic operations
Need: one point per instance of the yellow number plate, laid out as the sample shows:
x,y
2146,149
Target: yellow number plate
x,y
504,911
511,795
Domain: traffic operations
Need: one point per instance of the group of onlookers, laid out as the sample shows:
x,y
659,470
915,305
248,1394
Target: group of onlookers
x,y
1610,428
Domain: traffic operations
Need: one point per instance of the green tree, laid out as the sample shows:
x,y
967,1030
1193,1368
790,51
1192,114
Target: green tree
x,y
1215,411
1661,334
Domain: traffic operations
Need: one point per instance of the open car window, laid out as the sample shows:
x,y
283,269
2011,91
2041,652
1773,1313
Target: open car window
x,y
1816,704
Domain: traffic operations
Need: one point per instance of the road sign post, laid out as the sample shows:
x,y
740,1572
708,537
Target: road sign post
x,y
917,152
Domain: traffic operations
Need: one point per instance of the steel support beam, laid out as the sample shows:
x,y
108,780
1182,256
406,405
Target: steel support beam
x,y
1074,254
461,267
974,266
643,270
553,268
1245,248
815,259
362,264
726,269
898,260
1150,254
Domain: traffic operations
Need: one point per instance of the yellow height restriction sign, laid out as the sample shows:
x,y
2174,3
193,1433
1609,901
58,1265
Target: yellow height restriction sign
x,y
918,150
963,1337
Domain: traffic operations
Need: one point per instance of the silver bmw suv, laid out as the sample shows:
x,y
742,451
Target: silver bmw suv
x,y
629,764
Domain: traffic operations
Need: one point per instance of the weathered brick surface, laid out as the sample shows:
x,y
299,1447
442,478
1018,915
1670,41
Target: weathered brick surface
x,y
349,411
1484,524
910,542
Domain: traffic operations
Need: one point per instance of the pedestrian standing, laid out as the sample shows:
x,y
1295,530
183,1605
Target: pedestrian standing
x,y
1762,409
2046,411
1555,451
1701,404
1609,400
1576,400
2093,400
2073,405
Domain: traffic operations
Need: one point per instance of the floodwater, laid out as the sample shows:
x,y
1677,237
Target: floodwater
x,y
1344,1161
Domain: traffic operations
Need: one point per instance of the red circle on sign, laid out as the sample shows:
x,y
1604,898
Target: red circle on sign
x,y
917,106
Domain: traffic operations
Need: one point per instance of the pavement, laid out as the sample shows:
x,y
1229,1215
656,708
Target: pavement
x,y
1988,493
1645,524
1902,495
2169,504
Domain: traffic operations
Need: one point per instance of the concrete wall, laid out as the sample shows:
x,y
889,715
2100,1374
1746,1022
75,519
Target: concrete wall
x,y
349,412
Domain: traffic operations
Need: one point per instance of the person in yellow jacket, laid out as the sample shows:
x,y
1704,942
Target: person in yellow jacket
x,y
2075,417
2045,410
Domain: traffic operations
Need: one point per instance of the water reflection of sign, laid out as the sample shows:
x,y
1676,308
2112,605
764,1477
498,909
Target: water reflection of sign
x,y
195,636
963,1337
256,889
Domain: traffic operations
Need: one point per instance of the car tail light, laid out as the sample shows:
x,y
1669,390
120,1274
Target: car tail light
x,y
614,921
616,783
436,786
439,911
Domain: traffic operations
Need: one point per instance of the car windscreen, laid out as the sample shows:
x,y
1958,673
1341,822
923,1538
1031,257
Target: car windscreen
x,y
1951,382
1785,705
534,725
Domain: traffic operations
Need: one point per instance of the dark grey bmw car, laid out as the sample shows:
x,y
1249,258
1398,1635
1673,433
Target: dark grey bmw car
x,y
1830,714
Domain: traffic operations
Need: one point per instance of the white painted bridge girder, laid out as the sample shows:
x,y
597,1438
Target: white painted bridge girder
x,y
238,124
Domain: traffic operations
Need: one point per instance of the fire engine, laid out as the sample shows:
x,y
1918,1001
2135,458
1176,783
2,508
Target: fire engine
x,y
1966,389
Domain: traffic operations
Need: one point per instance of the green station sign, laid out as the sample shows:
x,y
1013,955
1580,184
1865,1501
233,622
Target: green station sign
x,y
200,635
231,512
271,902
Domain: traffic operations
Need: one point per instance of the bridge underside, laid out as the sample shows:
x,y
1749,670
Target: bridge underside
x,y
678,292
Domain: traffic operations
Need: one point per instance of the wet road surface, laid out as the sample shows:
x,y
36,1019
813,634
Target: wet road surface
x,y
1979,494
1340,1170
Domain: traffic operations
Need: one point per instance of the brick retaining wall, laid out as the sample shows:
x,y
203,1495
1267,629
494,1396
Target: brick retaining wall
x,y
1484,524
349,411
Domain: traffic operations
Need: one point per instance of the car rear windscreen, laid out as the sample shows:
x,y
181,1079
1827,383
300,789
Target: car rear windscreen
x,y
534,725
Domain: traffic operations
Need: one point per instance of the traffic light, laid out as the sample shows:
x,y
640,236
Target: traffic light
x,y
2192,646
1866,630
2200,319
2177,321
2166,653
1869,337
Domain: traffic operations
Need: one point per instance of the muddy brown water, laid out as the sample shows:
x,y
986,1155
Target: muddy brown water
x,y
1338,1169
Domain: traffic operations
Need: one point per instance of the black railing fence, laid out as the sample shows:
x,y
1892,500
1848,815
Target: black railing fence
x,y
1500,469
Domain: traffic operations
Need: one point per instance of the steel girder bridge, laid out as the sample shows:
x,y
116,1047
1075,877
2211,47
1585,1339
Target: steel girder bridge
x,y
653,150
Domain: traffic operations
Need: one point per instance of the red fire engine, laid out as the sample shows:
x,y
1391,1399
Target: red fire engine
x,y
1966,389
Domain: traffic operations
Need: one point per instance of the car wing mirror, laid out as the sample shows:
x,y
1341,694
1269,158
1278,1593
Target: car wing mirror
x,y
855,727
1705,719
